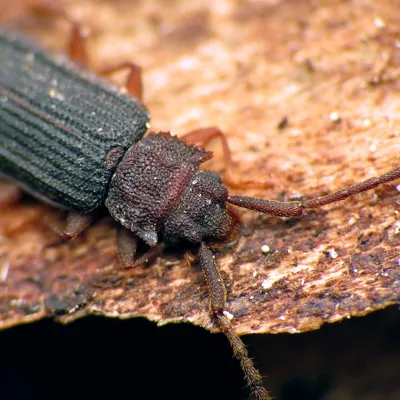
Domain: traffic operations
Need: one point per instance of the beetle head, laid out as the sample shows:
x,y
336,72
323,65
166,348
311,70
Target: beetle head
x,y
201,213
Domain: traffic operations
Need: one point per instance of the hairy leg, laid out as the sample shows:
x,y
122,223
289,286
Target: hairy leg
x,y
217,293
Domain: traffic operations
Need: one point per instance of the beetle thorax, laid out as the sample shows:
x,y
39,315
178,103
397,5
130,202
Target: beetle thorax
x,y
157,189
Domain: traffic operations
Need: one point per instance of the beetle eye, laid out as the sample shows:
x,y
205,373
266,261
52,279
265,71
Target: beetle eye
x,y
214,176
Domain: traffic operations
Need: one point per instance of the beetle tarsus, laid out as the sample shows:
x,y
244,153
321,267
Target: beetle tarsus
x,y
253,376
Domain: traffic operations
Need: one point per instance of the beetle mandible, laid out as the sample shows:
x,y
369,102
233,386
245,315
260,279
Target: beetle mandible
x,y
72,139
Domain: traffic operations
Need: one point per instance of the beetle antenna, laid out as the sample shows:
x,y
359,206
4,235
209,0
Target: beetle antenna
x,y
217,292
296,208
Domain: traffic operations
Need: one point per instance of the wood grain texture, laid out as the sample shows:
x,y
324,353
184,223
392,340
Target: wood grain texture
x,y
331,69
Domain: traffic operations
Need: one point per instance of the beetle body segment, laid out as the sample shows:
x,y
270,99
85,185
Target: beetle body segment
x,y
158,190
59,122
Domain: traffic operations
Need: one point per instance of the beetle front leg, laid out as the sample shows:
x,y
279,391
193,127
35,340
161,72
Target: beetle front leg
x,y
217,294
127,245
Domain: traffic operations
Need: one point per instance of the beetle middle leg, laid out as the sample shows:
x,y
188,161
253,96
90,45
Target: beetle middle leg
x,y
10,193
217,293
202,136
74,224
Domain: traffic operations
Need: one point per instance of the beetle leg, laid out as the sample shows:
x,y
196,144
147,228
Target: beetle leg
x,y
217,294
149,255
189,258
77,44
296,208
76,48
133,82
74,224
126,244
10,193
202,136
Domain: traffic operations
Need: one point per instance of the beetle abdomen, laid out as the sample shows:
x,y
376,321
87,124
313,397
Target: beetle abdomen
x,y
58,122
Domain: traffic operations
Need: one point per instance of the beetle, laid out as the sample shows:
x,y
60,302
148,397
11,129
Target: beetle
x,y
74,140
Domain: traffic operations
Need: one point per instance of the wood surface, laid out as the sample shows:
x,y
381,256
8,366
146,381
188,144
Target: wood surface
x,y
329,69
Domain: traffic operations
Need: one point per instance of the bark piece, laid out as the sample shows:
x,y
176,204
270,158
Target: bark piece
x,y
329,71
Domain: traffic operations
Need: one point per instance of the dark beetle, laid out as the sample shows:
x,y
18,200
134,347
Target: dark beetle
x,y
72,139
